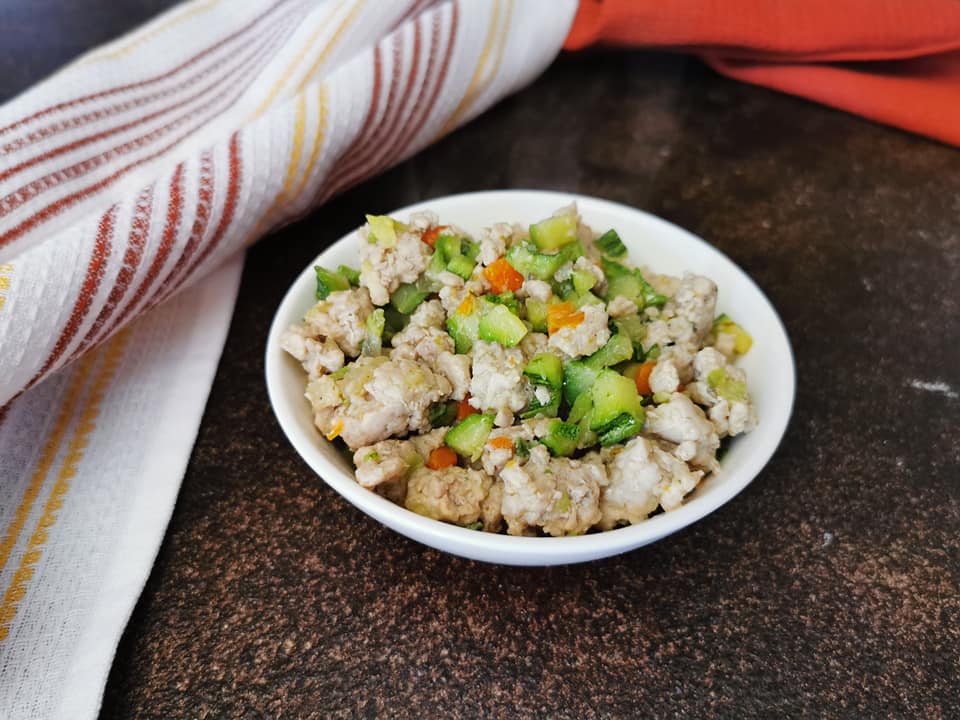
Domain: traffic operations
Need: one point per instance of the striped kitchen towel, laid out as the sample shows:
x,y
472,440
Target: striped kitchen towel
x,y
126,177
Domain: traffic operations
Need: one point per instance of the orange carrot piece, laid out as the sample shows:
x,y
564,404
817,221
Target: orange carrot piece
x,y
502,276
643,377
430,236
442,457
465,409
466,307
561,315
502,443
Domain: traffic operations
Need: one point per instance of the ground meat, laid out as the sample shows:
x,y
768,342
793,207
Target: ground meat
x,y
317,357
534,343
585,264
424,337
587,337
498,385
621,307
493,242
377,398
456,369
383,269
558,495
633,477
537,290
455,494
730,415
681,422
341,318
385,466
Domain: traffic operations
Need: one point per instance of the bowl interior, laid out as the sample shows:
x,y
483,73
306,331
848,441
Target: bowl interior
x,y
651,241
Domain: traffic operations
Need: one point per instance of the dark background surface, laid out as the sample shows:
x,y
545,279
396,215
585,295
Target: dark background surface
x,y
828,588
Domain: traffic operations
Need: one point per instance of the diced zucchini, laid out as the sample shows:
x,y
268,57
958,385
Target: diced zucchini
x,y
610,244
583,281
463,329
742,342
352,276
545,369
383,229
613,395
533,264
588,298
508,300
373,333
581,408
502,326
565,290
443,414
329,281
537,314
448,246
562,437
652,354
550,408
573,251
623,428
462,266
467,437
634,328
407,298
578,378
554,232
726,386
617,350
469,249
631,284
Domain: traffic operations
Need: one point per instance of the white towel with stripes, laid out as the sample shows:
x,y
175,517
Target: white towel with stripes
x,y
134,172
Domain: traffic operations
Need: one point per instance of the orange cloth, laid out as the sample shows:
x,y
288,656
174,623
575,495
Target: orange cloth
x,y
894,61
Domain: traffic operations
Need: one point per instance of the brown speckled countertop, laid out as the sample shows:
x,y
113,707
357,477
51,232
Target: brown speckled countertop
x,y
829,588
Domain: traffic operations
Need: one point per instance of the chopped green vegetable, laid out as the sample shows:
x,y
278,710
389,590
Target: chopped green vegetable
x,y
563,504
583,281
520,448
550,408
545,369
617,350
502,326
373,335
631,284
371,456
578,378
533,264
634,328
443,413
383,229
462,266
407,298
610,244
467,437
329,281
448,246
726,386
464,328
508,300
621,429
562,437
614,395
581,408
659,398
469,249
742,342
352,276
478,525
570,253
554,232
537,314
653,353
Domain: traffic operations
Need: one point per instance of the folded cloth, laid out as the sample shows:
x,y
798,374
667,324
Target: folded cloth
x,y
893,61
133,173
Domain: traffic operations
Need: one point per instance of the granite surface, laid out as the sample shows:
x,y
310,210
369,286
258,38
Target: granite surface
x,y
828,588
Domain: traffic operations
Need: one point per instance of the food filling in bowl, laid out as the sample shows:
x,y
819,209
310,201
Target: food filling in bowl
x,y
530,380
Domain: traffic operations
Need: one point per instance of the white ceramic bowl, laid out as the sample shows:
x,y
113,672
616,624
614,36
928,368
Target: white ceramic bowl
x,y
651,241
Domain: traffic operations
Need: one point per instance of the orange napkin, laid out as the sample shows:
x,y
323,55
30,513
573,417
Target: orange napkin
x,y
893,61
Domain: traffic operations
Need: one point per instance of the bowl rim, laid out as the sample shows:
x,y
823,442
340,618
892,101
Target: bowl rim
x,y
509,549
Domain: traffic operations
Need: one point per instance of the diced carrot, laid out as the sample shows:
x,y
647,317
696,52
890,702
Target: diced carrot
x,y
466,307
561,315
442,457
464,409
430,236
502,443
643,377
502,276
